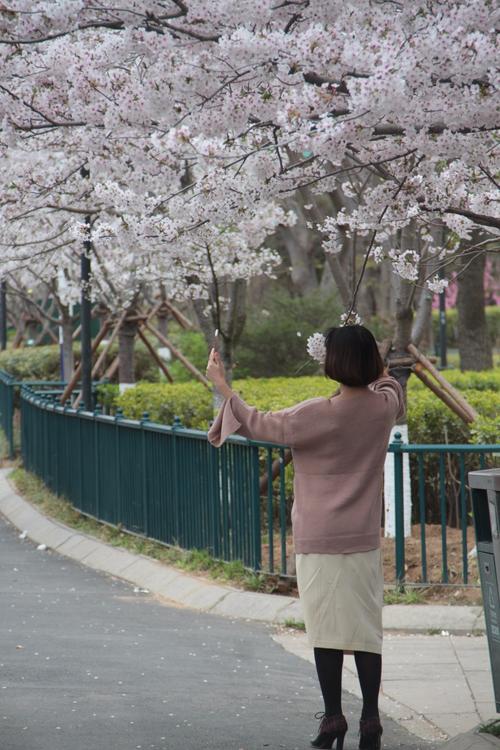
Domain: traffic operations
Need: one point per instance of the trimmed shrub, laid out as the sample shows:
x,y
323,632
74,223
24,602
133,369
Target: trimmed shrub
x,y
43,362
192,402
485,380
429,420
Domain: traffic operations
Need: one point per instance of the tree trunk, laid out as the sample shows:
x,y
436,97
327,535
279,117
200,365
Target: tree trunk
x,y
68,363
298,242
230,325
162,319
474,343
126,339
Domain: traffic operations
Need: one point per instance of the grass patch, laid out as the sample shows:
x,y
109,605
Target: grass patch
x,y
196,561
491,727
412,596
4,447
295,624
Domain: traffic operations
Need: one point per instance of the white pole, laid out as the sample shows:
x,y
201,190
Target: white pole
x,y
389,494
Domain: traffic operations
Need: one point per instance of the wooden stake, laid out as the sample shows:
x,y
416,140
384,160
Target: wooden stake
x,y
156,356
443,382
74,379
102,355
180,318
112,368
178,355
420,372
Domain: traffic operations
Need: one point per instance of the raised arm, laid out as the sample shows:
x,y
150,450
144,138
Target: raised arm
x,y
393,393
235,415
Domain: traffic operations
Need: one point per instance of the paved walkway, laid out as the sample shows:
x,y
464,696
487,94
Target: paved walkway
x,y
90,664
435,686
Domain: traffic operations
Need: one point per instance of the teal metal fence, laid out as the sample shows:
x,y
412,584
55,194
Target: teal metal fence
x,y
166,482
465,458
169,484
9,398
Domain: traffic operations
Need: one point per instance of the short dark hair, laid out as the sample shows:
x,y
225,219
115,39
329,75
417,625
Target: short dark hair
x,y
352,356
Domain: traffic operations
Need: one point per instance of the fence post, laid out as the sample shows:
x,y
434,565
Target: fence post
x,y
145,498
97,412
119,510
399,515
177,503
10,416
257,533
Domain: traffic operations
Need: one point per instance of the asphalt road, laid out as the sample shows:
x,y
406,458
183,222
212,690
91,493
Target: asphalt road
x,y
87,663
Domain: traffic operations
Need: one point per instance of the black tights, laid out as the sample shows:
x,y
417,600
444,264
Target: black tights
x,y
329,663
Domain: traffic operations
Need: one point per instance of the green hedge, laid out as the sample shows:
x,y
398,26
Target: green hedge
x,y
486,380
43,362
429,420
192,402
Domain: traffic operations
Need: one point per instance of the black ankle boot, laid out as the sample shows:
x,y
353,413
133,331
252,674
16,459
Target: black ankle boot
x,y
370,732
331,728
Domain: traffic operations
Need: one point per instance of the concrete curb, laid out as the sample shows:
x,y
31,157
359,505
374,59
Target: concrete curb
x,y
199,593
473,740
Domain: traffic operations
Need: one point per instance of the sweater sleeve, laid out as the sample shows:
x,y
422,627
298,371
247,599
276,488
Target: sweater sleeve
x,y
235,415
393,393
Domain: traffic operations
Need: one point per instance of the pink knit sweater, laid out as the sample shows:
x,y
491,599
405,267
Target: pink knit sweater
x,y
338,447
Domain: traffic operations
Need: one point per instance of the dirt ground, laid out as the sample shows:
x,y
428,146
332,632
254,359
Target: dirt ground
x,y
454,593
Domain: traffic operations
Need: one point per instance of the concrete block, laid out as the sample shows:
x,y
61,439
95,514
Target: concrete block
x,y
53,536
80,550
109,559
424,617
205,597
67,547
250,605
23,517
424,697
148,573
9,501
454,722
292,611
182,588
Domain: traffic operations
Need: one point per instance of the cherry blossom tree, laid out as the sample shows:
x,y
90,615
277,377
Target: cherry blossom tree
x,y
197,121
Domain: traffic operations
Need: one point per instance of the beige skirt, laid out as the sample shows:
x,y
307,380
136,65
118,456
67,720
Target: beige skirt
x,y
342,597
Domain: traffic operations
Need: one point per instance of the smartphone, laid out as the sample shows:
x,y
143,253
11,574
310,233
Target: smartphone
x,y
216,340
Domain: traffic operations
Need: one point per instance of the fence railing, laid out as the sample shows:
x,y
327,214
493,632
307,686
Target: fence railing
x,y
169,484
9,392
441,453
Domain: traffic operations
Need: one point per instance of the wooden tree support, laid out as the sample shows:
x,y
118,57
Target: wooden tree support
x,y
420,372
102,355
178,355
112,368
74,379
156,356
447,387
180,318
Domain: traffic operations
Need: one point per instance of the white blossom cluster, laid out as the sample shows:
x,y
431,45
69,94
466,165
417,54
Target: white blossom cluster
x,y
316,347
350,319
195,120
